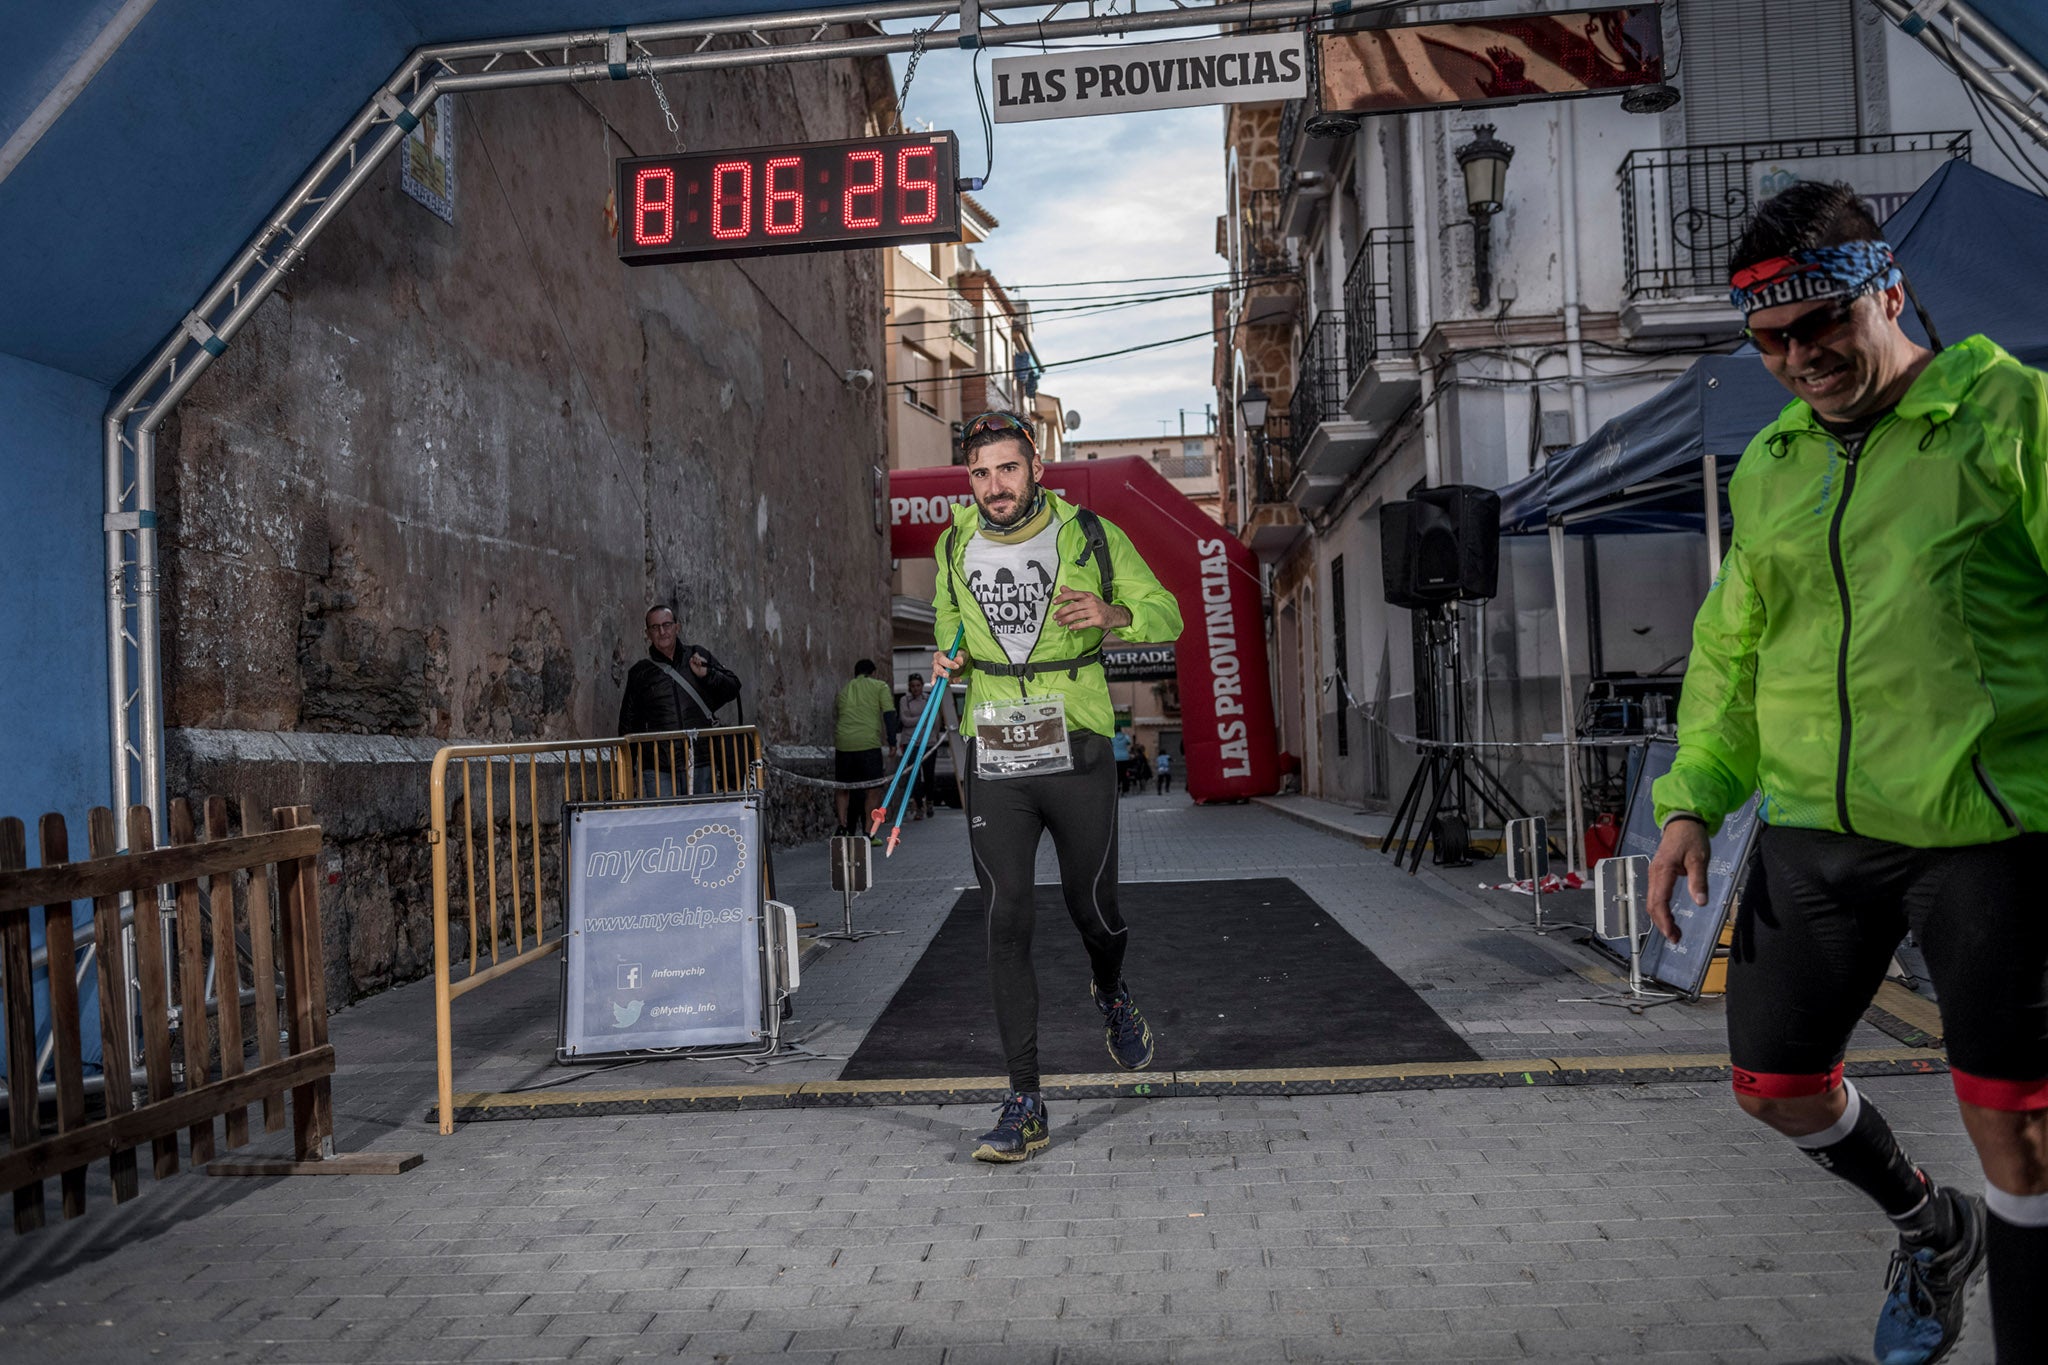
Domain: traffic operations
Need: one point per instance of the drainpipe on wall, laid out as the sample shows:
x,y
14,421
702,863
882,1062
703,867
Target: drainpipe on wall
x,y
1568,248
1422,208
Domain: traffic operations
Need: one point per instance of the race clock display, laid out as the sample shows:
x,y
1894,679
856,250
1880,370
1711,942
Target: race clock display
x,y
808,196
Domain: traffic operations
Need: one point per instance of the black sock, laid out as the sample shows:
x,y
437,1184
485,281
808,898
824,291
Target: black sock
x,y
1860,1149
2019,1268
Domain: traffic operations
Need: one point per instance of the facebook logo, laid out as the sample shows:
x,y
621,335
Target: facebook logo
x,y
629,976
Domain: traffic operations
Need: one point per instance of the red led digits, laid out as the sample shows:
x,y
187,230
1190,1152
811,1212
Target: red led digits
x,y
790,202
906,186
732,210
863,182
647,210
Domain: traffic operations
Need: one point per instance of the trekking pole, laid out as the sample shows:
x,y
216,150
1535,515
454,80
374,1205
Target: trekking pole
x,y
911,758
917,757
917,734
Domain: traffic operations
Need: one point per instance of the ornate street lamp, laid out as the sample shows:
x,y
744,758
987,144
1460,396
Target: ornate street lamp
x,y
1253,403
1484,162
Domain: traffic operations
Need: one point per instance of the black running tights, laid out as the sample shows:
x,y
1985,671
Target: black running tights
x,y
1005,819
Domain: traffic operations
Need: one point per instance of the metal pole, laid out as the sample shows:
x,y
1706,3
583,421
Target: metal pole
x,y
1711,466
1572,853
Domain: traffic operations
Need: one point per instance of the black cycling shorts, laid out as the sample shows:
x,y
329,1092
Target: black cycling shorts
x,y
857,765
1819,919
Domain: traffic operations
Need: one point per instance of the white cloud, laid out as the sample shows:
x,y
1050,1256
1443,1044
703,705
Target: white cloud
x,y
1113,197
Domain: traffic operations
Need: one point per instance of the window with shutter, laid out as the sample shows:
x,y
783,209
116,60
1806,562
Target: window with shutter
x,y
1762,70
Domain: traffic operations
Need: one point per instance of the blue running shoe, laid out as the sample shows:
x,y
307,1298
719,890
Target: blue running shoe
x,y
1923,1311
1022,1129
1123,1028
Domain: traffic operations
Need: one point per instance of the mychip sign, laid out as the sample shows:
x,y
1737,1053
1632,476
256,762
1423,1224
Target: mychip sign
x,y
664,945
1125,79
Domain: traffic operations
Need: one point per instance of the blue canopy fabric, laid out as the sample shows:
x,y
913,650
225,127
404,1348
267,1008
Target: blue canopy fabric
x,y
1972,246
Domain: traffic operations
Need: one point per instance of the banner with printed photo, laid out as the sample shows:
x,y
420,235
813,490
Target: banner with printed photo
x,y
426,168
1502,59
663,936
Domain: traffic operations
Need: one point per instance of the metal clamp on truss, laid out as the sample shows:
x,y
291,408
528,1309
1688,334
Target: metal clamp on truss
x,y
970,23
198,329
394,109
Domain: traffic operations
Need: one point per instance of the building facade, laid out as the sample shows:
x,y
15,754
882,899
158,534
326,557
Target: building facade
x,y
1188,461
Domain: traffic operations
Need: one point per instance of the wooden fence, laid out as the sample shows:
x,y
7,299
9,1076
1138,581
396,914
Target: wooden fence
x,y
249,899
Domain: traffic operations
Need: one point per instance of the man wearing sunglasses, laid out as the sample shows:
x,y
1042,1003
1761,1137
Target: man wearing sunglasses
x,y
1873,659
1034,582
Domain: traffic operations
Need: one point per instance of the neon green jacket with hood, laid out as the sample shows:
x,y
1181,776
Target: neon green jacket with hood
x,y
1874,655
1155,617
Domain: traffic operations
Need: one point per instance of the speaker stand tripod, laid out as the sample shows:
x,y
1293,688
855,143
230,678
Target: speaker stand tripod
x,y
1436,790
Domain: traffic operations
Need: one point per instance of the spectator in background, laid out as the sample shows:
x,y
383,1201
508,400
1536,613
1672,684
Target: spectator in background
x,y
860,721
1165,767
1120,754
907,717
676,687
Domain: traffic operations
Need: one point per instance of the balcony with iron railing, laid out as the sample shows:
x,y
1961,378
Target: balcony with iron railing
x,y
1270,524
1379,326
1683,208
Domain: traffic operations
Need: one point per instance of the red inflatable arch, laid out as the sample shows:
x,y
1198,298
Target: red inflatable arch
x,y
1226,702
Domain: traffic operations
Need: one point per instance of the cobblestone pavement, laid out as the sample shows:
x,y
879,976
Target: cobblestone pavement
x,y
1648,1222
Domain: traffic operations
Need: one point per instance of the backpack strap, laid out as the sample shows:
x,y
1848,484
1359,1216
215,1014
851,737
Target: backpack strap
x,y
1098,546
946,564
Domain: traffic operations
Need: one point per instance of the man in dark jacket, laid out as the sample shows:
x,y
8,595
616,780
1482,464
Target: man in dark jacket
x,y
676,687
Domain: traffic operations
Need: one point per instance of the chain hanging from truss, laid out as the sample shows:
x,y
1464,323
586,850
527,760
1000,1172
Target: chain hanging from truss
x,y
910,70
675,130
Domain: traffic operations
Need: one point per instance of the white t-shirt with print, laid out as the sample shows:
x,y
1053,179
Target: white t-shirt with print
x,y
1014,585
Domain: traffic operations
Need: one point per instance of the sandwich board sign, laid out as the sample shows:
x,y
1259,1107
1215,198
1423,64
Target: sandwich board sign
x,y
663,935
1683,965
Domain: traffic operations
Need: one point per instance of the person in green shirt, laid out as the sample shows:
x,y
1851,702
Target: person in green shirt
x,y
860,721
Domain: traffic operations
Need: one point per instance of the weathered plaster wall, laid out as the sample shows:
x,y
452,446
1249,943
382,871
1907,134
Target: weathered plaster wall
x,y
430,491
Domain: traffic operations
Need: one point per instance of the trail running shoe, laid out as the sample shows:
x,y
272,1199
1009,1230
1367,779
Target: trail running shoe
x,y
1923,1310
1020,1131
1124,1028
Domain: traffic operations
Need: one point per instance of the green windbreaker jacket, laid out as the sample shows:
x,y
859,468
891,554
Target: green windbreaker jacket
x,y
1155,617
1874,655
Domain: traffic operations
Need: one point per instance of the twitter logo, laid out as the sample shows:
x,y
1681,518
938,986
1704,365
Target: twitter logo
x,y
626,1015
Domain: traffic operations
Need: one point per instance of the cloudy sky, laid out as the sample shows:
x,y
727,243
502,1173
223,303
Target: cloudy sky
x,y
1109,198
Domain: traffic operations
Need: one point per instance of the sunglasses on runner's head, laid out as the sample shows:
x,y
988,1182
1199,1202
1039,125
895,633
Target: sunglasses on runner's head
x,y
999,422
1808,330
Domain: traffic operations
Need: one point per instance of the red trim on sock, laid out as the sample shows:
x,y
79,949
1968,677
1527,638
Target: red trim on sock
x,y
1988,1092
1776,1085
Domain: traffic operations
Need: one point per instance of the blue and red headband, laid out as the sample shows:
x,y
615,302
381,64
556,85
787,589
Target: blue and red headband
x,y
1822,272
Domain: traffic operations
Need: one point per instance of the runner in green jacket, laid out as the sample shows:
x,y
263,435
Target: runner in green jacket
x,y
1035,582
1873,659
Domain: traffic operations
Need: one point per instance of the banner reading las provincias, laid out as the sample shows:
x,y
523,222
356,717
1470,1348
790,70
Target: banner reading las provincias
x,y
1074,82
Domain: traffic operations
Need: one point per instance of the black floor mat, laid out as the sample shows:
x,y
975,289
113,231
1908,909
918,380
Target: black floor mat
x,y
1230,974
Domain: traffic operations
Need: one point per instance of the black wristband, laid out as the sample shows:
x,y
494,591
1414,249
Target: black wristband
x,y
1677,815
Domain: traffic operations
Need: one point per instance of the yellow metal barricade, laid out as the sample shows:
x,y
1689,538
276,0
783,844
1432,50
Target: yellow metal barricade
x,y
509,911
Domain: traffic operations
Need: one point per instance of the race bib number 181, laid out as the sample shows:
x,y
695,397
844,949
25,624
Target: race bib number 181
x,y
1025,738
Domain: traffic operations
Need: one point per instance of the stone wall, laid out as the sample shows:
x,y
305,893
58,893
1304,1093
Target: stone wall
x,y
429,492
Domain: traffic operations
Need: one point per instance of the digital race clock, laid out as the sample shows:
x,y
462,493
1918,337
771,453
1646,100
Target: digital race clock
x,y
809,196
